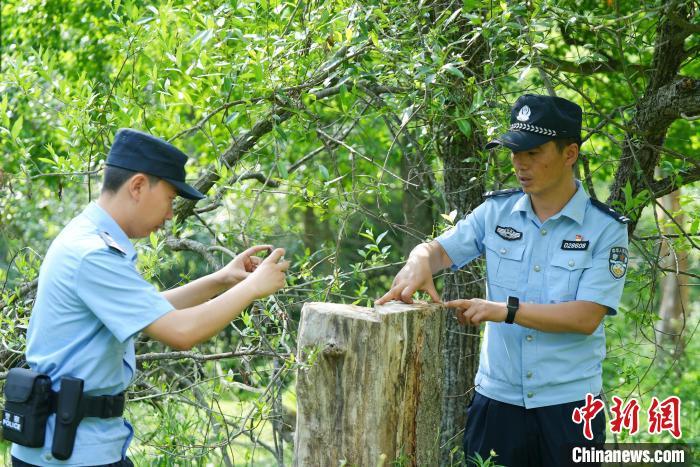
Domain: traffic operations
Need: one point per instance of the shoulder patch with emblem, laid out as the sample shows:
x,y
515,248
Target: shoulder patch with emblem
x,y
508,233
617,261
508,191
610,211
112,244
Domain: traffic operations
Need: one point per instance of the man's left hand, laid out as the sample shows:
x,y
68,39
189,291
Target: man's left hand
x,y
242,265
476,310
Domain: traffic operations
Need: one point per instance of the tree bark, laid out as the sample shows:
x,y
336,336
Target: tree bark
x,y
463,175
665,99
674,291
417,202
370,389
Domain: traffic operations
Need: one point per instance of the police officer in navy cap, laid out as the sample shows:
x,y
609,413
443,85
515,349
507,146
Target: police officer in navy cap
x,y
555,266
92,302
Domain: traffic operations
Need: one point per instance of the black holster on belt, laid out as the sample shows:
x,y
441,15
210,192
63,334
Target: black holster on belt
x,y
72,406
68,416
28,398
29,401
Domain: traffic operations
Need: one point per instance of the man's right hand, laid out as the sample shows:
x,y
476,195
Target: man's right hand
x,y
425,260
415,275
269,275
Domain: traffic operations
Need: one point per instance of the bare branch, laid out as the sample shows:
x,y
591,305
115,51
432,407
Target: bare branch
x,y
665,236
65,174
184,244
222,107
199,357
267,181
356,153
673,182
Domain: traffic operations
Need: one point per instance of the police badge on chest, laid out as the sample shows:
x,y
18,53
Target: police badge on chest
x,y
508,233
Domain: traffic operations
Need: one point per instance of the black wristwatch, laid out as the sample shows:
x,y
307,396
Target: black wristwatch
x,y
513,304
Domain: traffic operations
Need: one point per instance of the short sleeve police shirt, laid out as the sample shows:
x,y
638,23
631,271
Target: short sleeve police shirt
x,y
578,254
90,303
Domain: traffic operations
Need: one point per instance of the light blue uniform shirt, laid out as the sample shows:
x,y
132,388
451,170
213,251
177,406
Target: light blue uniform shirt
x,y
579,253
90,303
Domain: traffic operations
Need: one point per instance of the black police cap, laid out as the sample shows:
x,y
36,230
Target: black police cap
x,y
535,120
141,152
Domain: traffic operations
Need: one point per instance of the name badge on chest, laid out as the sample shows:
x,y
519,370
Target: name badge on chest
x,y
576,245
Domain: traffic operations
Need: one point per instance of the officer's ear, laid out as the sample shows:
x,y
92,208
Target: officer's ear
x,y
570,154
137,185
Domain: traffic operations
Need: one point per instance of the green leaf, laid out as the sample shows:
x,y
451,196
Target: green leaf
x,y
450,217
465,127
46,160
324,172
282,169
17,127
694,226
452,69
524,73
373,37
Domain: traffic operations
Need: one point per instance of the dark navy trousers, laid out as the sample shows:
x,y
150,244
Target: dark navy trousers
x,y
521,437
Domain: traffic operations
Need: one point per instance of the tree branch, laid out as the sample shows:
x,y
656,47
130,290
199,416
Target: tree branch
x,y
199,357
673,182
670,102
687,27
184,244
259,176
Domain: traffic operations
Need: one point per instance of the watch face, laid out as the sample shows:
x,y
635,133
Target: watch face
x,y
513,301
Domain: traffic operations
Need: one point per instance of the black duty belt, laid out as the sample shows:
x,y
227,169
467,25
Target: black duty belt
x,y
96,406
29,400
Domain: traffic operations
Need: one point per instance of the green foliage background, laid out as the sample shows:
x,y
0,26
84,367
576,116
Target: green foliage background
x,y
332,97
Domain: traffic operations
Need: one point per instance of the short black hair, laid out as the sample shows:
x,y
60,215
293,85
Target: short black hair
x,y
115,177
562,143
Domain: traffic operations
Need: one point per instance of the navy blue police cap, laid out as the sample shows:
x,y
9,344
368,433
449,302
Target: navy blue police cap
x,y
141,152
535,120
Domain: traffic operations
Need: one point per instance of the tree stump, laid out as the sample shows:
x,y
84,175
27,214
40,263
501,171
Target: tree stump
x,y
370,390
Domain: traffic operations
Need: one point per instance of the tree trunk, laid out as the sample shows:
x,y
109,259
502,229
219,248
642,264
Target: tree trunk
x,y
370,389
674,291
417,202
463,170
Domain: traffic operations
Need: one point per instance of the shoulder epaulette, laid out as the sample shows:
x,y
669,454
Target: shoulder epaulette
x,y
610,211
508,191
113,245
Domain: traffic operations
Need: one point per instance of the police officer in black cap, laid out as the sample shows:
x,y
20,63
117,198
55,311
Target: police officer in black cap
x,y
92,302
555,264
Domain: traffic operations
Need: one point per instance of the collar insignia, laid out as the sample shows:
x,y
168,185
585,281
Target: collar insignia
x,y
112,244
